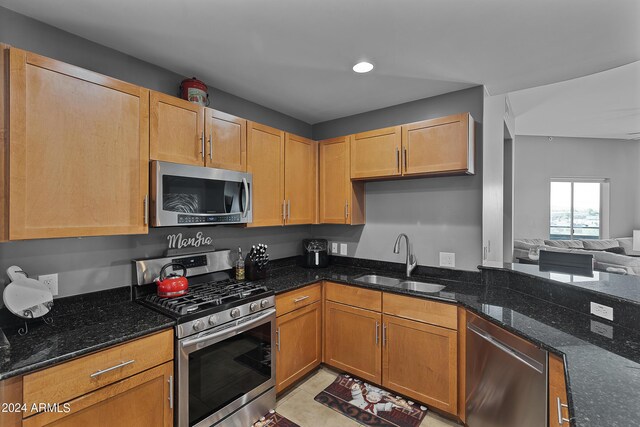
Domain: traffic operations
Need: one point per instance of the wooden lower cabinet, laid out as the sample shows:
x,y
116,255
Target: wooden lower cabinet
x,y
353,340
558,410
420,361
138,401
298,343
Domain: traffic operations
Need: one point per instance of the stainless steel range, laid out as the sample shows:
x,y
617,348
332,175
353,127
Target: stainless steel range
x,y
225,370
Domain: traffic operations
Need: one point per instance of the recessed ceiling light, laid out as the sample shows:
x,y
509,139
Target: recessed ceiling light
x,y
363,67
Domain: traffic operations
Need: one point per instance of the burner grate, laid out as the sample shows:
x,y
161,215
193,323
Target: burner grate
x,y
204,295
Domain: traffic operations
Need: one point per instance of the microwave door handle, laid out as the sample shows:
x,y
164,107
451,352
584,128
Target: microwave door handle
x,y
247,204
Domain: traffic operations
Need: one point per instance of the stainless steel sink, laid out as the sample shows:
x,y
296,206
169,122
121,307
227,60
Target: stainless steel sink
x,y
374,279
411,285
421,286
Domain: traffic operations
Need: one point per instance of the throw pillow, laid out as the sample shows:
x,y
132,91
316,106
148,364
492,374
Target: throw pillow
x,y
616,250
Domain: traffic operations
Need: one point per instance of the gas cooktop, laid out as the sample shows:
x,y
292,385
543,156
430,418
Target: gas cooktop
x,y
206,297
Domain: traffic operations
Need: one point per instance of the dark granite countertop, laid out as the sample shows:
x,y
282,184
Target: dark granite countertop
x,y
97,326
602,358
621,286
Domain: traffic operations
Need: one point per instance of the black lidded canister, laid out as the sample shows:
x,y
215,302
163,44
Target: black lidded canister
x,y
315,253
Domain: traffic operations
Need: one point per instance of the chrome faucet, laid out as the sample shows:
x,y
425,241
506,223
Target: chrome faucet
x,y
412,262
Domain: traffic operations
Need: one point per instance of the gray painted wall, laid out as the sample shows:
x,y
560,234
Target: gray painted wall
x,y
90,264
96,263
35,36
537,161
441,214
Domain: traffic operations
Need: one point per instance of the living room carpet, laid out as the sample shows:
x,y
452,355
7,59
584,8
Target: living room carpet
x,y
273,419
370,405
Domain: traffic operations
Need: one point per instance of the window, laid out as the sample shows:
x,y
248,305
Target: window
x,y
579,209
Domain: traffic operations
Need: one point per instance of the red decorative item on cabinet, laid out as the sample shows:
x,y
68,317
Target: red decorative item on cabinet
x,y
195,91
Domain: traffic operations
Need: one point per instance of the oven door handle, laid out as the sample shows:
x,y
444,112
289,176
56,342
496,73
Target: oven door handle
x,y
247,205
231,331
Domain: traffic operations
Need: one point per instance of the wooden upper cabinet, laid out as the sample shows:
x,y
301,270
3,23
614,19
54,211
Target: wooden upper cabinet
x,y
300,179
176,130
376,154
78,151
443,145
226,141
341,201
420,361
265,160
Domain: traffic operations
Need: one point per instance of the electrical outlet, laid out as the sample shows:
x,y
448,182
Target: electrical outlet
x,y
602,311
334,248
447,259
343,248
50,281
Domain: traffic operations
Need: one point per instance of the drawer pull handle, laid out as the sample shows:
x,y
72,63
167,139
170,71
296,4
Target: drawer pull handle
x,y
300,299
118,366
561,419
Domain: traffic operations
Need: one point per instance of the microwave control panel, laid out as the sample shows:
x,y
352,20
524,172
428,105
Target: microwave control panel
x,y
201,219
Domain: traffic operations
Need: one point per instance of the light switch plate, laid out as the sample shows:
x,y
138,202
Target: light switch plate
x,y
343,248
447,259
334,248
603,311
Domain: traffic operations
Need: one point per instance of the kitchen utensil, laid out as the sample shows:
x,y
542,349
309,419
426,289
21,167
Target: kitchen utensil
x,y
25,297
172,285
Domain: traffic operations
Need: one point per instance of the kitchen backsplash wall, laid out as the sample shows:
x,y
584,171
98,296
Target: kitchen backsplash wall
x,y
441,214
35,36
91,264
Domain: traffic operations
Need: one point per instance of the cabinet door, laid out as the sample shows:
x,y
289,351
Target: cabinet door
x,y
420,361
352,341
334,180
300,179
176,130
79,151
143,400
376,153
299,344
438,146
265,160
226,141
558,410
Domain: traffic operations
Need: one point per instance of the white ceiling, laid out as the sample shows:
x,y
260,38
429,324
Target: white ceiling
x,y
602,105
295,56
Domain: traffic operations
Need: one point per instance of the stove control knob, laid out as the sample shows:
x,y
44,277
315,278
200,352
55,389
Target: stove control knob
x,y
264,303
198,325
235,313
213,320
253,307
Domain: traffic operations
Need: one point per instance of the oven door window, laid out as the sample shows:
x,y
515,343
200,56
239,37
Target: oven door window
x,y
201,196
221,373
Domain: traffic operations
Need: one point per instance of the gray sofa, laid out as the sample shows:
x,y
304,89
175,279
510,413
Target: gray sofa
x,y
624,259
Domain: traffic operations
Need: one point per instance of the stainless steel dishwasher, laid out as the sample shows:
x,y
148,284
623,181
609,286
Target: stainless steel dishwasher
x,y
506,378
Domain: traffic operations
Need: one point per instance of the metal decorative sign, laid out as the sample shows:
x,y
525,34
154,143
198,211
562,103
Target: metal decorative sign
x,y
177,241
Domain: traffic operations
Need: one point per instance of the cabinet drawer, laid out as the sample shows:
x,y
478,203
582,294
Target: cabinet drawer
x,y
354,296
422,310
298,298
80,376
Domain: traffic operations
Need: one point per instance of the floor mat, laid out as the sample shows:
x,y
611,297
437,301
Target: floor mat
x,y
370,405
273,419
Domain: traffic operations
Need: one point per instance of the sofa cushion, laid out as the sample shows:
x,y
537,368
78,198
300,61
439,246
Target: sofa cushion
x,y
627,244
600,245
616,250
577,244
527,243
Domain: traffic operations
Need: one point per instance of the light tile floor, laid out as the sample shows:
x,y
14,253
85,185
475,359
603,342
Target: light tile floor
x,y
298,406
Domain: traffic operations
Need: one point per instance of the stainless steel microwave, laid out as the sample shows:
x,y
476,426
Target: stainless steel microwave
x,y
196,195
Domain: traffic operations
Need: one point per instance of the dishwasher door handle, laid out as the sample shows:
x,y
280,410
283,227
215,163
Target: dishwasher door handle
x,y
523,358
